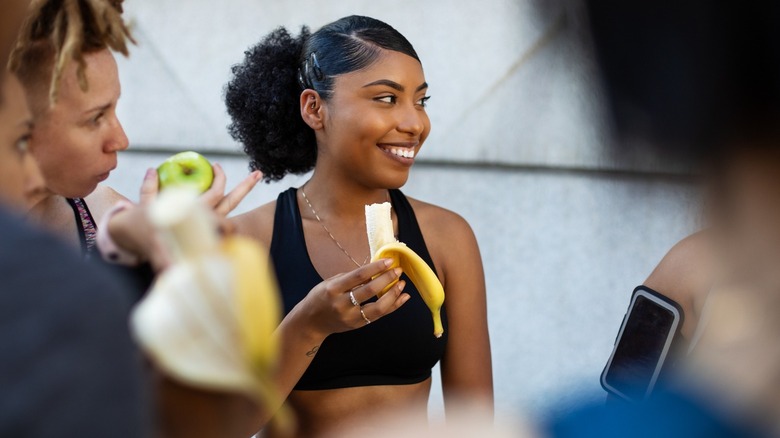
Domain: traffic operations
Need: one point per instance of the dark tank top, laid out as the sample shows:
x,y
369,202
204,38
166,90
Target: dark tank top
x,y
139,278
397,349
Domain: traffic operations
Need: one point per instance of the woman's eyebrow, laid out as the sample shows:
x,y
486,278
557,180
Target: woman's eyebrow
x,y
100,108
394,85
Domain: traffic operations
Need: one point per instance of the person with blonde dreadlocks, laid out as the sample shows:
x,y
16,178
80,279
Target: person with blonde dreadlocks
x,y
64,59
69,365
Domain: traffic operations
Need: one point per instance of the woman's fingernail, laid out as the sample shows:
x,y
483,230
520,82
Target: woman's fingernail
x,y
149,173
398,271
388,262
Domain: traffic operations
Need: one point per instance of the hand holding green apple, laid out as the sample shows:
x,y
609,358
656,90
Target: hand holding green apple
x,y
186,169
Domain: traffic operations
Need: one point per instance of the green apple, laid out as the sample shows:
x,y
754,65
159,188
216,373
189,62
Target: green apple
x,y
186,169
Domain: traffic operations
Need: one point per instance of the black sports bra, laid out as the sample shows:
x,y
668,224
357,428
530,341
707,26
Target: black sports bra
x,y
397,349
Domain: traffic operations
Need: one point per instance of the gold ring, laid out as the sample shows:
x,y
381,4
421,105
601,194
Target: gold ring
x,y
368,321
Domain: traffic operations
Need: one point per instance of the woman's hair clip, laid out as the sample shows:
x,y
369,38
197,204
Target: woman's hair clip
x,y
316,67
302,80
310,67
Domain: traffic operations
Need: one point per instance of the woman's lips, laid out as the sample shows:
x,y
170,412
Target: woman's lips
x,y
104,176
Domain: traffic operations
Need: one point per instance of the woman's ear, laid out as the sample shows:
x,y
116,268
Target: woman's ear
x,y
311,109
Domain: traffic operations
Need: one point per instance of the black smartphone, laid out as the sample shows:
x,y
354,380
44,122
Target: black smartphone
x,y
643,346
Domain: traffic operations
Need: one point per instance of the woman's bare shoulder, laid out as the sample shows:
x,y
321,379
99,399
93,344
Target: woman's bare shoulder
x,y
685,274
449,238
257,223
102,199
437,219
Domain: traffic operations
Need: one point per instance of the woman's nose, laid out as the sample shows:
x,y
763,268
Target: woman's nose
x,y
118,140
412,121
34,184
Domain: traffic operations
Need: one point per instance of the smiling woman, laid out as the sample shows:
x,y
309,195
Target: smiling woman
x,y
349,103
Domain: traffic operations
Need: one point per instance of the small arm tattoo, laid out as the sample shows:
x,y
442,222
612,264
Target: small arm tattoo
x,y
313,351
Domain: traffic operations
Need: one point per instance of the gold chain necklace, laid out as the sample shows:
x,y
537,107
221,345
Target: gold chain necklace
x,y
305,198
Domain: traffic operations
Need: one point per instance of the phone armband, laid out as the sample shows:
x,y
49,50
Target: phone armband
x,y
643,351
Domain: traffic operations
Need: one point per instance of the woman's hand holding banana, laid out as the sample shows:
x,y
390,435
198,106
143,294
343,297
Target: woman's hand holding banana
x,y
329,307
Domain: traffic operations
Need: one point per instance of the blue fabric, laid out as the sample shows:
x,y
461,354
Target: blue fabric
x,y
667,414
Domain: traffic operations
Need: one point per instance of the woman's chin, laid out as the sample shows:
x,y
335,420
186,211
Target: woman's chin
x,y
76,192
394,180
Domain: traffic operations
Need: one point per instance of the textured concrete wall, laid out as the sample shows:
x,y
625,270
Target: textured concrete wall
x,y
519,148
512,81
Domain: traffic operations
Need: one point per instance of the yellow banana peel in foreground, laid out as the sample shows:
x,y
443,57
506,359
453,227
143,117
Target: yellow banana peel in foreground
x,y
257,299
209,319
383,244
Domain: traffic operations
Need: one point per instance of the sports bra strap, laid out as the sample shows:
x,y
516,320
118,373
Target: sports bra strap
x,y
85,224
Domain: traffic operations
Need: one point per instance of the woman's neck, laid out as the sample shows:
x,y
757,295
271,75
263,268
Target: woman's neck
x,y
44,202
336,196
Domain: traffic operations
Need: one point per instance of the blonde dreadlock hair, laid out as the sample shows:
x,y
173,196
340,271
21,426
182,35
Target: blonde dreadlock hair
x,y
66,30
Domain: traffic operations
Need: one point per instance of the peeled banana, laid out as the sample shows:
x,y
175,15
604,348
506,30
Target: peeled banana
x,y
383,244
209,319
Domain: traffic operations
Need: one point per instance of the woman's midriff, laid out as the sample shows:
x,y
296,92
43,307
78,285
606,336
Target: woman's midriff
x,y
329,410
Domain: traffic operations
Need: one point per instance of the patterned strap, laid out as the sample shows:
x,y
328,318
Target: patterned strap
x,y
85,224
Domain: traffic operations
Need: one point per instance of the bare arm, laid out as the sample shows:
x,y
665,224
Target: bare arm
x,y
685,275
467,375
328,309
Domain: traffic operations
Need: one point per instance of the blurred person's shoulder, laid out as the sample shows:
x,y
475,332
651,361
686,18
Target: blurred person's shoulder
x,y
66,342
30,256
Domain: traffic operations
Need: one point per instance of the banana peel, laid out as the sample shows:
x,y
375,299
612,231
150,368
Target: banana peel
x,y
383,244
209,319
259,312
